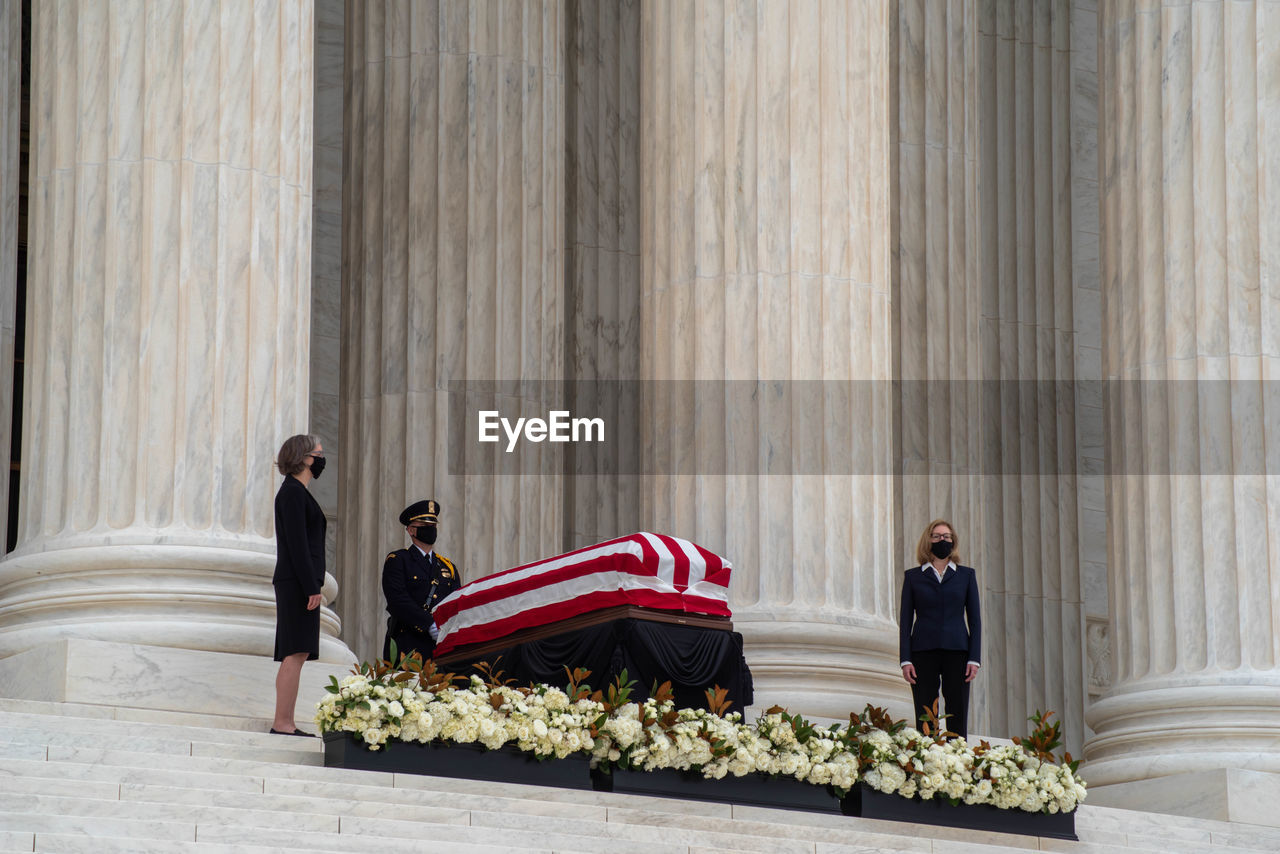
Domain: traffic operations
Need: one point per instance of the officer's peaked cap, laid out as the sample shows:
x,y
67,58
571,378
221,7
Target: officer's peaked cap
x,y
425,512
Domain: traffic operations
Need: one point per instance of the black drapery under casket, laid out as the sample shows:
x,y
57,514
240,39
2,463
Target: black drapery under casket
x,y
692,658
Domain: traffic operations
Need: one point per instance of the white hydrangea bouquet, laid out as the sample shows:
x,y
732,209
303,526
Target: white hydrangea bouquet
x,y
378,705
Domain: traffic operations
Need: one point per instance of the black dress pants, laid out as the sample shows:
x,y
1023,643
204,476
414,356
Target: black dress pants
x,y
946,666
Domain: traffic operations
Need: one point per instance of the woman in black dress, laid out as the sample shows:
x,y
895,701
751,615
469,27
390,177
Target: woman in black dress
x,y
299,572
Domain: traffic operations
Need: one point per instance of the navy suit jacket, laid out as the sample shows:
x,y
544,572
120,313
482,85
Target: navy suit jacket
x,y
940,615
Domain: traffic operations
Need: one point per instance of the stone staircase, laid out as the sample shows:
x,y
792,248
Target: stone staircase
x,y
83,778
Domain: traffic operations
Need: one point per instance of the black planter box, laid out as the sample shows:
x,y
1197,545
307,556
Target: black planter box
x,y
509,765
752,790
870,803
469,761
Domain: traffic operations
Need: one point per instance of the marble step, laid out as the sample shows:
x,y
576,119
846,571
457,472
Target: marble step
x,y
275,775
70,745
1150,830
315,813
270,777
89,711
511,799
64,817
59,834
765,823
71,843
13,840
238,779
179,730
58,843
159,739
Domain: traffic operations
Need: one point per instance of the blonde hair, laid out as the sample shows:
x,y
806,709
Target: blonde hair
x,y
924,555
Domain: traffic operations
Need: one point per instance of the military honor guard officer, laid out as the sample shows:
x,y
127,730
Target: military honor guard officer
x,y
414,580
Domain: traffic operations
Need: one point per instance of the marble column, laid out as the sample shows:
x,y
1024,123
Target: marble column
x,y
1189,105
1091,532
602,262
326,254
938,298
10,182
766,326
452,272
1029,335
985,333
167,318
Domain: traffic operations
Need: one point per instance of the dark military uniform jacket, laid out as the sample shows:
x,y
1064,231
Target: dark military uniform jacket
x,y
414,584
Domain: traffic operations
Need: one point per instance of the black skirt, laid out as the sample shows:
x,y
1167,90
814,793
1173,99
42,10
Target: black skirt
x,y
297,629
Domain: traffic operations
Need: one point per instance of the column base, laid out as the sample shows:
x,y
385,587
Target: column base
x,y
75,670
1221,794
213,594
1184,725
823,670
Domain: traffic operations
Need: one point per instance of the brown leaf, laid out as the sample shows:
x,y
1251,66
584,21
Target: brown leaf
x,y
718,701
664,693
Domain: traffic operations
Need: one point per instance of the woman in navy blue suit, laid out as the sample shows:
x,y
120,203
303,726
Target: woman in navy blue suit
x,y
940,626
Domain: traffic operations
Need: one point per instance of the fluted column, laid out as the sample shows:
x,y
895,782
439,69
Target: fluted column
x,y
167,322
602,263
938,301
10,181
453,234
985,333
766,157
1029,335
1189,106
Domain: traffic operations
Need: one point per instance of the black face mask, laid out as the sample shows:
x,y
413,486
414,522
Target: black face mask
x,y
317,466
941,549
426,534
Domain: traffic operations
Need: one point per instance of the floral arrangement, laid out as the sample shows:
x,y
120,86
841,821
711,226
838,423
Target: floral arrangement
x,y
379,705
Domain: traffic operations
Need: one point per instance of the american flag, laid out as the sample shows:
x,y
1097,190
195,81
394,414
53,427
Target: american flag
x,y
650,570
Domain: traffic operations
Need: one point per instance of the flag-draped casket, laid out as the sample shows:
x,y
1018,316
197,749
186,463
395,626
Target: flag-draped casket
x,y
644,569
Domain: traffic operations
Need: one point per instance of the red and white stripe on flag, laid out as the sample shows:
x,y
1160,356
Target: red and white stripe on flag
x,y
651,570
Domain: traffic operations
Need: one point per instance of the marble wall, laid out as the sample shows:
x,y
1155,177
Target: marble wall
x,y
453,241
1188,102
168,322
